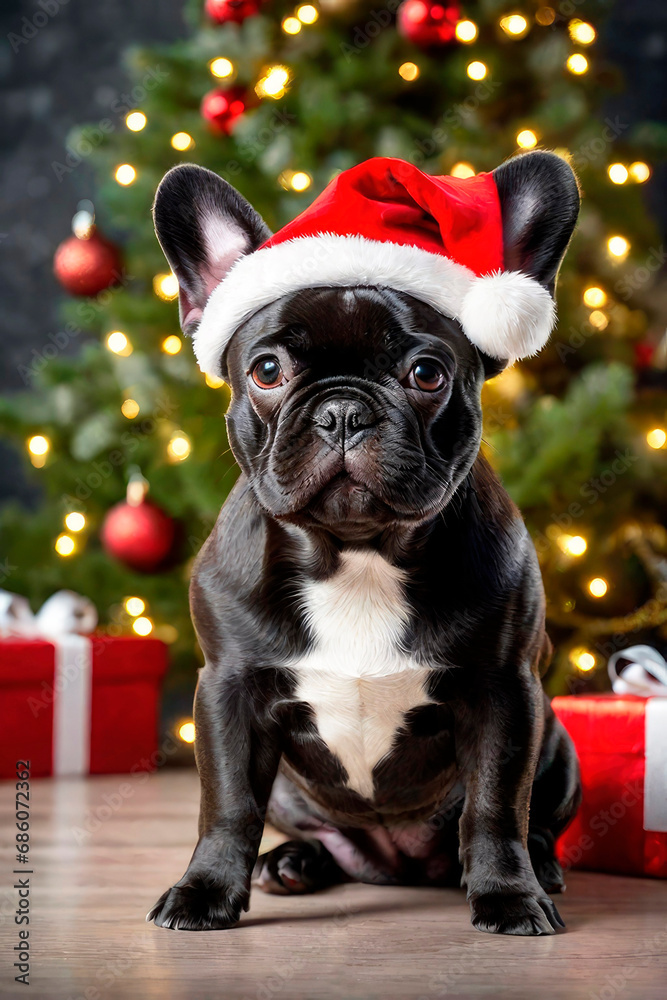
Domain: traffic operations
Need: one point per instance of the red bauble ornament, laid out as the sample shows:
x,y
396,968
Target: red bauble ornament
x,y
86,266
222,108
137,532
222,11
428,24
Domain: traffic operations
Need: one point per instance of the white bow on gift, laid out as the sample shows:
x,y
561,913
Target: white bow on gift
x,y
646,675
65,620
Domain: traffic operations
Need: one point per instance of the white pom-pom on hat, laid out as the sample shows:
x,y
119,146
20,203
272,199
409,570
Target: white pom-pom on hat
x,y
507,315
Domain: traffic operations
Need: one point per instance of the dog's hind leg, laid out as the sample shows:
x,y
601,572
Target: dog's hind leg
x,y
554,801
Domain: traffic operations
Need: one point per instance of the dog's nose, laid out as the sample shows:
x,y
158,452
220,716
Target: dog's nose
x,y
343,422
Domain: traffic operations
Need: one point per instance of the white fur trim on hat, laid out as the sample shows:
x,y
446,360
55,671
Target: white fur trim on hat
x,y
513,313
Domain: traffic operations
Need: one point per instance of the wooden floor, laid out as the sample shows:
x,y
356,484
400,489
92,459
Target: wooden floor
x,y
104,849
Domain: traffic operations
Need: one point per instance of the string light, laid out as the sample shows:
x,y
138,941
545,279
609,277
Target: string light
x,y
179,447
618,174
462,170
75,521
221,68
291,25
135,121
408,71
165,286
594,297
182,141
172,344
574,545
581,32
577,63
656,438
297,180
466,31
129,408
186,732
125,174
118,343
545,16
618,246
526,139
514,24
213,382
598,586
599,320
273,83
307,14
142,626
476,70
582,659
135,606
38,448
64,545
639,171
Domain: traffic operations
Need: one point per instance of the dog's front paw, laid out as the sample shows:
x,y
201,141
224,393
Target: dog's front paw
x,y
527,913
198,904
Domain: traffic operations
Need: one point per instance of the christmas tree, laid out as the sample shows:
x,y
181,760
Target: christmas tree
x,y
277,99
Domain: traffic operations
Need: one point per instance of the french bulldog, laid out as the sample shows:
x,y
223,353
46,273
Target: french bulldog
x,y
369,603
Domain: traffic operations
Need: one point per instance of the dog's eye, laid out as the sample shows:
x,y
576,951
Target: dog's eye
x,y
426,375
267,373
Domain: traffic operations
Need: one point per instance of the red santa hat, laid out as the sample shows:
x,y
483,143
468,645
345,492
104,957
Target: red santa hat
x,y
387,224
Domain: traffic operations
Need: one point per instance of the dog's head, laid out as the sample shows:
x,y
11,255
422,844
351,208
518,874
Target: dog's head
x,y
353,407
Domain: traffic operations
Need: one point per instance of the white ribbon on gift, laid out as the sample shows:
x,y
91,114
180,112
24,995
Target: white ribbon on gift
x,y
65,620
646,675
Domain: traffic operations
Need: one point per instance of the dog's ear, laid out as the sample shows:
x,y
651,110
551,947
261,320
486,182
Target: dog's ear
x,y
204,225
539,201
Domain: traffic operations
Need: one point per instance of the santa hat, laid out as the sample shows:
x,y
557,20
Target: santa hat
x,y
385,223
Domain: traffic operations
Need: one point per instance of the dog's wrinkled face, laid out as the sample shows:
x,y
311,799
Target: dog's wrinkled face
x,y
353,408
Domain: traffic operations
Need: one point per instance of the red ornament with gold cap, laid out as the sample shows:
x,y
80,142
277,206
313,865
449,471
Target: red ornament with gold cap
x,y
428,24
137,532
85,263
222,107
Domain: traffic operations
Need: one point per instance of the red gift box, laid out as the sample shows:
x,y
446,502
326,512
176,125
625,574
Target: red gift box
x,y
621,826
80,704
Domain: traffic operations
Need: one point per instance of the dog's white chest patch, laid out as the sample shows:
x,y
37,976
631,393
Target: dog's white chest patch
x,y
356,677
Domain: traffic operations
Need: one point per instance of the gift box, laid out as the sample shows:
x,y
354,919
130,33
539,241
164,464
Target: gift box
x,y
621,826
80,704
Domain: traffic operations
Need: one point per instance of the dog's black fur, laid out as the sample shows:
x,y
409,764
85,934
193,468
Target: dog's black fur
x,y
347,455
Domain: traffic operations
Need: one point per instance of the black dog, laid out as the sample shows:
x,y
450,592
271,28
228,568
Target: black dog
x,y
369,603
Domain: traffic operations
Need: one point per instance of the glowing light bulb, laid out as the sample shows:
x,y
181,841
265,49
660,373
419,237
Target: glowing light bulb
x,y
125,174
307,14
656,438
182,141
594,297
639,171
462,170
118,343
135,606
582,659
291,25
129,408
186,731
300,181
38,444
526,139
618,246
213,382
172,344
577,63
142,626
581,32
64,545
576,545
408,71
135,121
476,70
221,67
179,447
273,83
514,24
598,587
165,286
618,174
75,521
466,31
598,319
